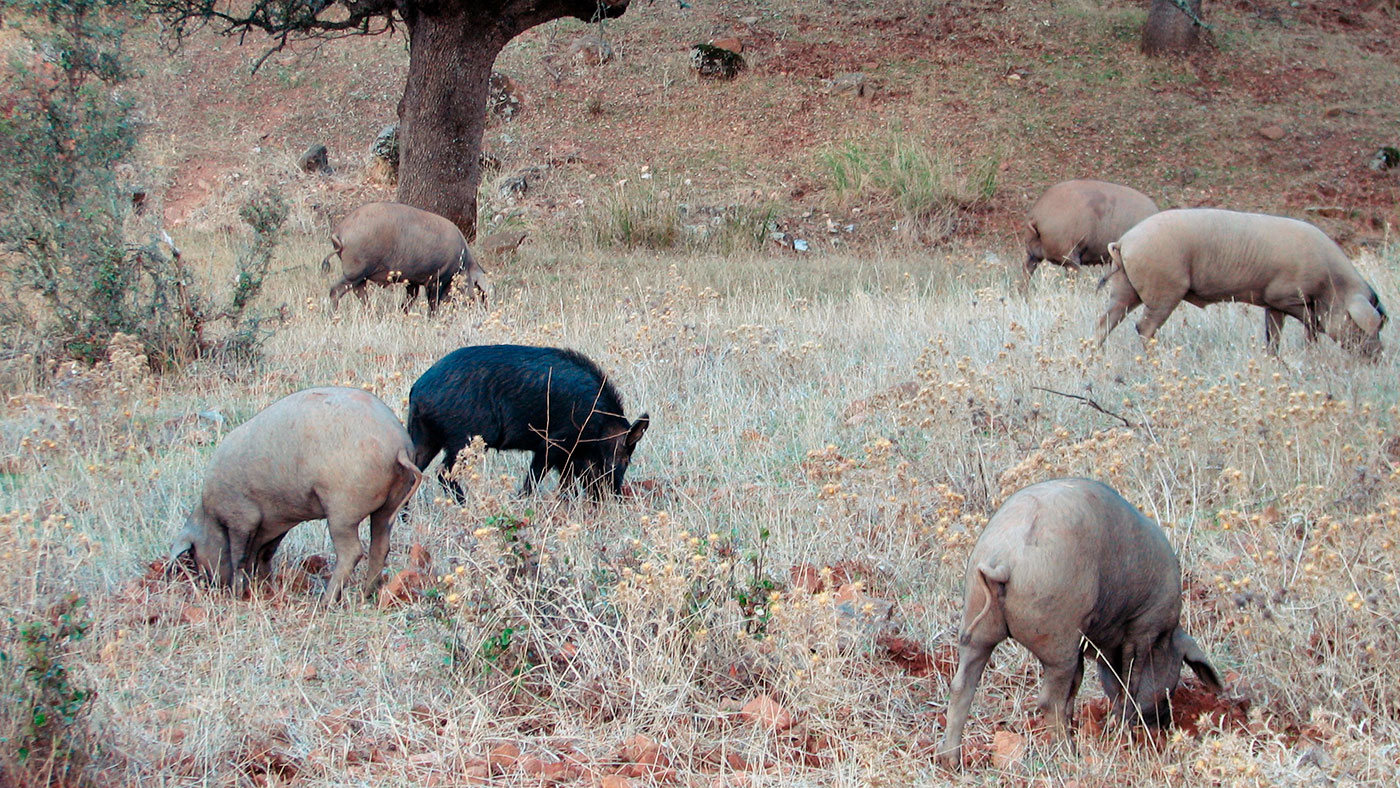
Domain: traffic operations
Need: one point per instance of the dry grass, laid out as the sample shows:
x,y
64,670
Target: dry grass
x,y
866,413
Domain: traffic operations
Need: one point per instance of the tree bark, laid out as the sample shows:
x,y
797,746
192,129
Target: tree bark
x,y
442,114
1169,30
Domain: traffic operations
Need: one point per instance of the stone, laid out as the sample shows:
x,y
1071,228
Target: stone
x,y
712,62
853,82
501,243
384,154
766,712
504,97
590,50
1273,132
503,757
731,43
1008,749
403,588
315,159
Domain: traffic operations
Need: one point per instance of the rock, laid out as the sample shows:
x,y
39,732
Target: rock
x,y
732,44
766,712
501,243
645,751
590,50
1386,157
315,159
503,757
1008,749
419,558
748,20
1273,133
518,184
853,82
386,144
504,97
712,62
402,589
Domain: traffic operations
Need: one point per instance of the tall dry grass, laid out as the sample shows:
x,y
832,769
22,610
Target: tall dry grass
x,y
865,413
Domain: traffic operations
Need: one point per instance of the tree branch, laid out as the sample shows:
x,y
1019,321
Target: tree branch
x,y
1186,9
1091,403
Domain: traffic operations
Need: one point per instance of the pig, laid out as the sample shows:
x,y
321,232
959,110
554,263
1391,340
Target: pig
x,y
1073,223
1204,255
553,402
1069,568
384,242
333,453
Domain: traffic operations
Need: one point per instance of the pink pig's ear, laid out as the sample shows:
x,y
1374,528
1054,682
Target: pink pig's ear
x,y
1365,316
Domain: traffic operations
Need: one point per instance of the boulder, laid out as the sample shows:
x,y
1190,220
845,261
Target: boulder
x,y
854,83
590,50
505,99
712,62
315,159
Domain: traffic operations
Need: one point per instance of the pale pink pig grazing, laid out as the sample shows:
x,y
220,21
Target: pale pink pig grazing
x,y
387,242
1068,568
333,453
1204,256
1073,223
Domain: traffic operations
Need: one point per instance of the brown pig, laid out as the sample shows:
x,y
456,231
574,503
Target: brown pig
x,y
386,242
1073,223
333,453
1203,256
1068,568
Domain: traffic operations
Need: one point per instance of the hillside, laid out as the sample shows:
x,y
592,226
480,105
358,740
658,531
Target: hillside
x,y
1044,92
774,599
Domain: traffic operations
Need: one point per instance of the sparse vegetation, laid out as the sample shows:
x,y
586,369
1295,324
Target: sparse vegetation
x,y
774,600
926,187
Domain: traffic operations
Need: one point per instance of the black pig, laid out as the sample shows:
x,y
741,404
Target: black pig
x,y
550,401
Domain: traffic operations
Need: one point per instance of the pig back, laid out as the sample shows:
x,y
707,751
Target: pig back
x,y
316,443
1087,212
1232,256
1081,559
382,237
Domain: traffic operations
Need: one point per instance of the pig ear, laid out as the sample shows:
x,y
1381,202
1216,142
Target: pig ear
x,y
1366,317
1195,659
639,428
1034,231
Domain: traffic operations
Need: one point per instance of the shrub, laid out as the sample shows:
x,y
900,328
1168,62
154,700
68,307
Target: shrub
x,y
73,277
923,185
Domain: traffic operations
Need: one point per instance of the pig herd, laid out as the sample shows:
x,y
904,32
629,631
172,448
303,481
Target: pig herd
x,y
1067,568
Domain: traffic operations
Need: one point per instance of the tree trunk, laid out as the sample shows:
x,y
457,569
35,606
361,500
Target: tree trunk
x,y
442,114
1169,30
452,46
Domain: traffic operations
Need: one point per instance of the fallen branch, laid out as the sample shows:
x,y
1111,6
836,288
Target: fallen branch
x,y
1091,403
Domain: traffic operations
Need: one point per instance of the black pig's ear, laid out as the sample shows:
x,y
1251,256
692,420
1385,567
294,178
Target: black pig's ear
x,y
1195,659
639,428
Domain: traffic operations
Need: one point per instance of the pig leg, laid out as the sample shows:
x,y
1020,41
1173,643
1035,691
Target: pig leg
x,y
262,569
972,660
345,535
981,632
445,477
1125,300
535,475
1063,673
412,295
362,292
381,521
1157,314
338,290
1273,328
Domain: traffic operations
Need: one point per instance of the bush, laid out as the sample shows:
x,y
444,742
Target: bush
x,y
73,277
921,184
644,214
